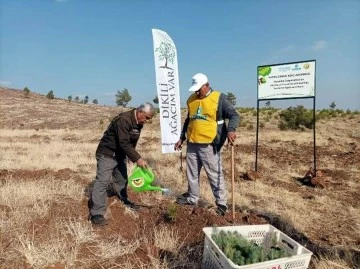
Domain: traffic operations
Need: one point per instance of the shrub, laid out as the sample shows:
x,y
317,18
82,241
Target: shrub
x,y
339,111
295,118
26,92
244,110
250,126
50,95
243,123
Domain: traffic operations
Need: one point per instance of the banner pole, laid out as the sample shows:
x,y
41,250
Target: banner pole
x,y
232,182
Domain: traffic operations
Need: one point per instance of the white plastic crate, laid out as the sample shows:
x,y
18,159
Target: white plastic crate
x,y
214,258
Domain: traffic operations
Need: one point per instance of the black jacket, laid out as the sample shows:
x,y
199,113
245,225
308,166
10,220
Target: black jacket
x,y
121,137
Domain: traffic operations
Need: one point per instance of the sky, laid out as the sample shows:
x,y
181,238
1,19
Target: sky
x,y
96,47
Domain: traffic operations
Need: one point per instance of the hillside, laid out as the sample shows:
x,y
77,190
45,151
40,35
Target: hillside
x,y
35,111
48,164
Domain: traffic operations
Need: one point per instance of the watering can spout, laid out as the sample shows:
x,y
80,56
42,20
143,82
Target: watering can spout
x,y
153,188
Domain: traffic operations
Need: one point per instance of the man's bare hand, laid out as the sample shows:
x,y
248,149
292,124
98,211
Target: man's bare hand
x,y
231,137
142,163
178,145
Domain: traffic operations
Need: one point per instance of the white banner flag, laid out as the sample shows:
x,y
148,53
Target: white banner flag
x,y
167,84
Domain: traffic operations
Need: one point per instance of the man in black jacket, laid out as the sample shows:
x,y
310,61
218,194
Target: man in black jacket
x,y
119,141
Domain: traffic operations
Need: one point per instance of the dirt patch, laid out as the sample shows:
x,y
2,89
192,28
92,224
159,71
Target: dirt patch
x,y
61,174
188,221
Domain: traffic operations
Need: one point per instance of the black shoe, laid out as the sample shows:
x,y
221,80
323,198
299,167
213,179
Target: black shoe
x,y
110,192
221,209
130,204
98,220
185,195
184,201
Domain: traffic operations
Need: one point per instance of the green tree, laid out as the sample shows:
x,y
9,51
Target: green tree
x,y
26,92
95,101
86,99
50,95
332,105
156,100
70,98
77,99
123,97
232,98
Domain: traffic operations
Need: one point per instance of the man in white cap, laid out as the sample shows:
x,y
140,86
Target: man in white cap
x,y
205,132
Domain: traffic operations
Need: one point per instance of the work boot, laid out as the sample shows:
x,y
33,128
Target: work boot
x,y
185,201
98,220
221,209
185,195
130,205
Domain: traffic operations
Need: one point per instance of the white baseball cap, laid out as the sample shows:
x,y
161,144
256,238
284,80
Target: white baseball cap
x,y
198,81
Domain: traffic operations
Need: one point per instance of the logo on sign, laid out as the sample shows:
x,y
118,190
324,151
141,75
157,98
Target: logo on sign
x,y
296,68
166,53
284,68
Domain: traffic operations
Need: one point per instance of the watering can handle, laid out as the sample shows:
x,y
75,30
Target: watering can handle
x,y
142,163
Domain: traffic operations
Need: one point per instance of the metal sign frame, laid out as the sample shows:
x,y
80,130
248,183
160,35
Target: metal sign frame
x,y
269,99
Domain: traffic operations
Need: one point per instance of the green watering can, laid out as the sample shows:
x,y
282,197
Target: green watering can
x,y
141,178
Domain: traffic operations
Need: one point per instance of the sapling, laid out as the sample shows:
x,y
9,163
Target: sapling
x,y
242,252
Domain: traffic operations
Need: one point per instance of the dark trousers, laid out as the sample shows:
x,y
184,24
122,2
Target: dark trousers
x,y
109,171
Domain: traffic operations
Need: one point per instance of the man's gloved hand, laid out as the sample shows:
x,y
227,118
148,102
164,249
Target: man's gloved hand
x,y
142,163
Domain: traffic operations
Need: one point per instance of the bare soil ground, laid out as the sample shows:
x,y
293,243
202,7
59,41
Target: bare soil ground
x,y
323,216
126,224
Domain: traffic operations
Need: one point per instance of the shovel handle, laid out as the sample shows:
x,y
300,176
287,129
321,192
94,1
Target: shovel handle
x,y
181,161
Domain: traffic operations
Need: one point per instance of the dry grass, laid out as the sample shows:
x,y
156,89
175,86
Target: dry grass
x,y
168,239
50,149
332,213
